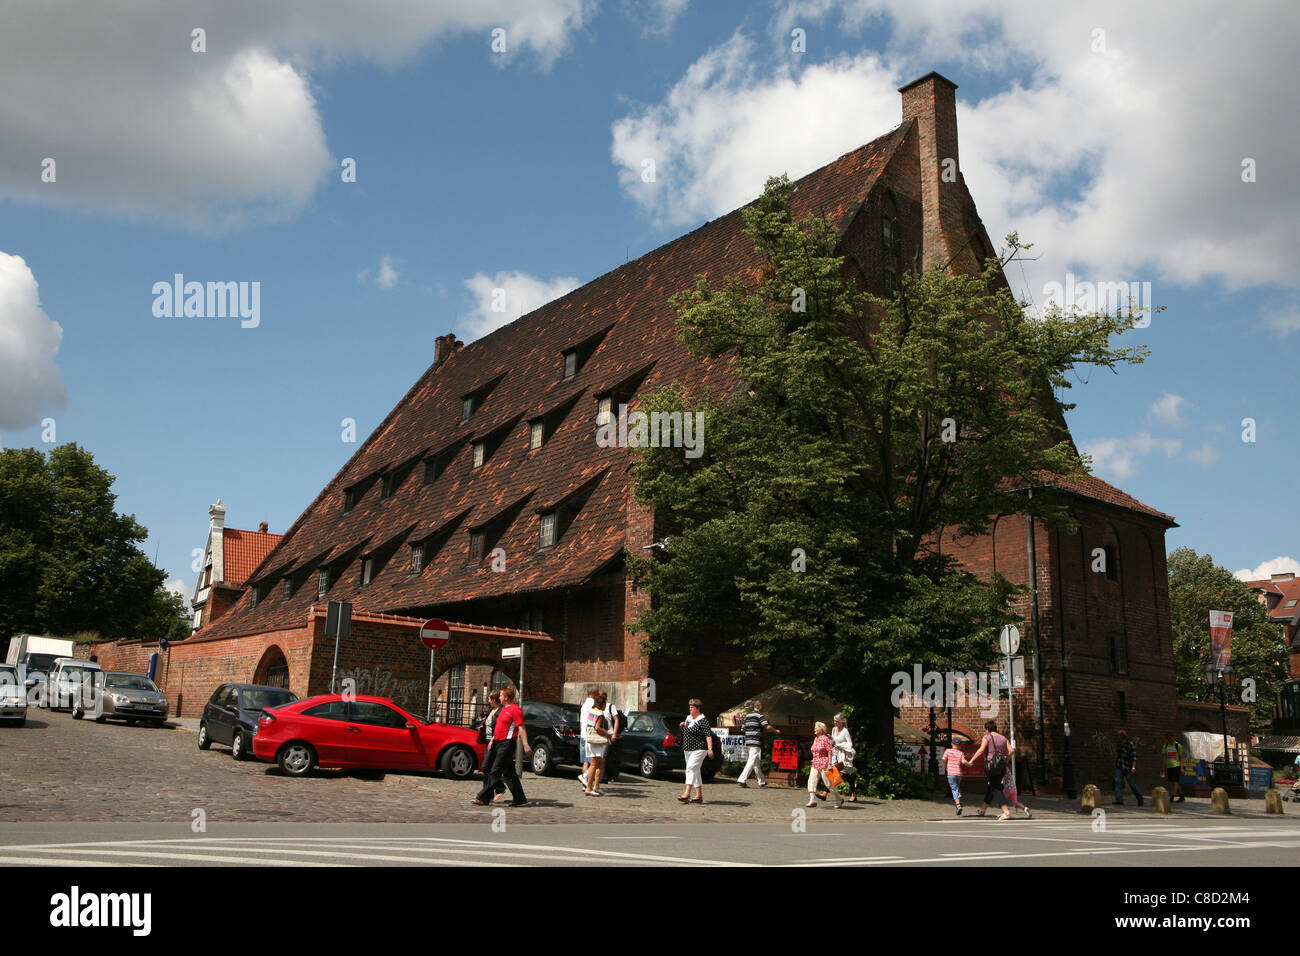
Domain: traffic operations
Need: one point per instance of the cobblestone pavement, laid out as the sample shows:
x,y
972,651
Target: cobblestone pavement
x,y
58,769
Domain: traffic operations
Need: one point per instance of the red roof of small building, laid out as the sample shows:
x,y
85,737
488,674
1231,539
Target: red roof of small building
x,y
244,551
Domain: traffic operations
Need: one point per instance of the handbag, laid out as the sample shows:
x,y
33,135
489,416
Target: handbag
x,y
833,776
995,763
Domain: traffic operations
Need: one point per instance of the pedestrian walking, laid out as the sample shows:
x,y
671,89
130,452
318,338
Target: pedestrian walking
x,y
1126,765
598,735
952,761
508,733
822,750
485,729
697,742
1010,791
1173,751
754,725
998,750
842,759
583,759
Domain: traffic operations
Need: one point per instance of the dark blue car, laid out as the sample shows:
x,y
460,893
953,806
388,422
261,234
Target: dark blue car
x,y
230,716
651,745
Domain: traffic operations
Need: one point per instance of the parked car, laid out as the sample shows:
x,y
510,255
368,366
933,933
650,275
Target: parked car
x,y
124,696
361,733
651,745
71,681
553,731
13,696
35,656
230,716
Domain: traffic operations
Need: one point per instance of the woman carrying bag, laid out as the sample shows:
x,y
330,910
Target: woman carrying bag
x,y
842,759
822,748
597,737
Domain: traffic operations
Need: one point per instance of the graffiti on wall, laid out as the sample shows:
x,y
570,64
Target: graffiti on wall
x,y
381,683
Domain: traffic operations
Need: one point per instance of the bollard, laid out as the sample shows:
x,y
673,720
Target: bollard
x,y
1272,800
1219,800
1160,800
1091,799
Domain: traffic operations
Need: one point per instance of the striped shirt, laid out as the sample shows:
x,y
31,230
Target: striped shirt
x,y
952,759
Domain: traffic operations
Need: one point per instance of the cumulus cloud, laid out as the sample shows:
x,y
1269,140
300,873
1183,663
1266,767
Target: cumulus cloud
x,y
386,275
1166,410
139,125
1117,458
1283,320
31,385
1278,564
501,298
1089,153
658,16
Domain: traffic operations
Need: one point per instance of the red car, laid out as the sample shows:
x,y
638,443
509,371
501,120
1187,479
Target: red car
x,y
363,732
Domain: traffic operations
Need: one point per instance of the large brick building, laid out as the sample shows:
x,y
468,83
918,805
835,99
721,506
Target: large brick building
x,y
484,498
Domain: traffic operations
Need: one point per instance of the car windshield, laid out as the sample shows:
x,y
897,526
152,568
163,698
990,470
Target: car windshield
x,y
570,712
40,662
83,674
129,682
8,675
260,698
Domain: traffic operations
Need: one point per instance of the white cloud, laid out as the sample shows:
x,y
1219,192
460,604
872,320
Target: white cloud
x,y
1117,458
501,298
386,275
141,126
31,385
1166,410
178,588
1092,157
1278,564
1284,320
1205,455
658,16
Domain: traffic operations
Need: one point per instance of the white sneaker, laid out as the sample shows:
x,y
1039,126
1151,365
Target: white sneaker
x,y
1028,815
582,779
762,783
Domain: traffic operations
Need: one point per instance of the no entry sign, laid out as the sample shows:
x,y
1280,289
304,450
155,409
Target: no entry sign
x,y
434,634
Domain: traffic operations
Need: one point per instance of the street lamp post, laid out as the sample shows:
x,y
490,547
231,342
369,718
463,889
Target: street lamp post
x,y
1218,678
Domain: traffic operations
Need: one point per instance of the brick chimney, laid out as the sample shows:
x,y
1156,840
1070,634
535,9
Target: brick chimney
x,y
1283,576
932,102
444,346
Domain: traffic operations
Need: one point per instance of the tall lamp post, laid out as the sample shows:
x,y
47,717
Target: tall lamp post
x,y
1219,678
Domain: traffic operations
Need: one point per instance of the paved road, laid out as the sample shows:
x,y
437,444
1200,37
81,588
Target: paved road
x,y
880,845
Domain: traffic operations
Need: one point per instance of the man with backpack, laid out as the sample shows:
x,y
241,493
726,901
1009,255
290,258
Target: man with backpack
x,y
998,750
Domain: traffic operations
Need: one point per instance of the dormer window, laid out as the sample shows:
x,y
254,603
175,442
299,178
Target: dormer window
x,y
417,558
476,546
547,538
536,433
254,595
367,570
288,589
386,489
322,582
604,409
350,497
467,406
480,453
570,363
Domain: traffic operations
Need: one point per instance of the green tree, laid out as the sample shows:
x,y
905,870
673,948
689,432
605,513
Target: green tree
x,y
862,427
1198,586
68,561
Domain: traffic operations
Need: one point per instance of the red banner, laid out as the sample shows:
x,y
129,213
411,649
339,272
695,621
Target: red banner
x,y
1221,638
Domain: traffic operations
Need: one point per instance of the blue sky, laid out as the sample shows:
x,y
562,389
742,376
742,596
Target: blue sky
x,y
479,170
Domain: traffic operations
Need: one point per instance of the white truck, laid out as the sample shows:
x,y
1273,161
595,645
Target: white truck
x,y
34,655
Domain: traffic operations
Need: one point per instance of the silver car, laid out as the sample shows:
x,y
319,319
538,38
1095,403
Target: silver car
x,y
13,696
125,696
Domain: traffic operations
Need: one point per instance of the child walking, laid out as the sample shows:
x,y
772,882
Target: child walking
x,y
1009,788
952,758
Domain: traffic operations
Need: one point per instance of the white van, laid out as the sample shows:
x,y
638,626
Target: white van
x,y
72,680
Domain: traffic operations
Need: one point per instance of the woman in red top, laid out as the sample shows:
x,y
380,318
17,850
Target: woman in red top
x,y
509,726
822,749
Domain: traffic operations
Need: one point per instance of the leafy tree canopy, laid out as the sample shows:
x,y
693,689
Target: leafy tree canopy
x,y
862,427
68,561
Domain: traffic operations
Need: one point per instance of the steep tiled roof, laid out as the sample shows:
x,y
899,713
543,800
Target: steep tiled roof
x,y
244,551
1289,591
1090,486
525,359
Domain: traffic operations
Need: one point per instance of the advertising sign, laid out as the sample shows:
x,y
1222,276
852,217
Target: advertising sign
x,y
733,747
1221,638
785,754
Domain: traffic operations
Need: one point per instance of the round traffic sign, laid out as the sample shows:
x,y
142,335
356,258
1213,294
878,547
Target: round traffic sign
x,y
1009,640
434,633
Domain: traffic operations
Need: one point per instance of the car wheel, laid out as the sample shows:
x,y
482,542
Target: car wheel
x,y
239,746
160,722
130,721
205,741
296,759
649,764
541,762
459,763
78,713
